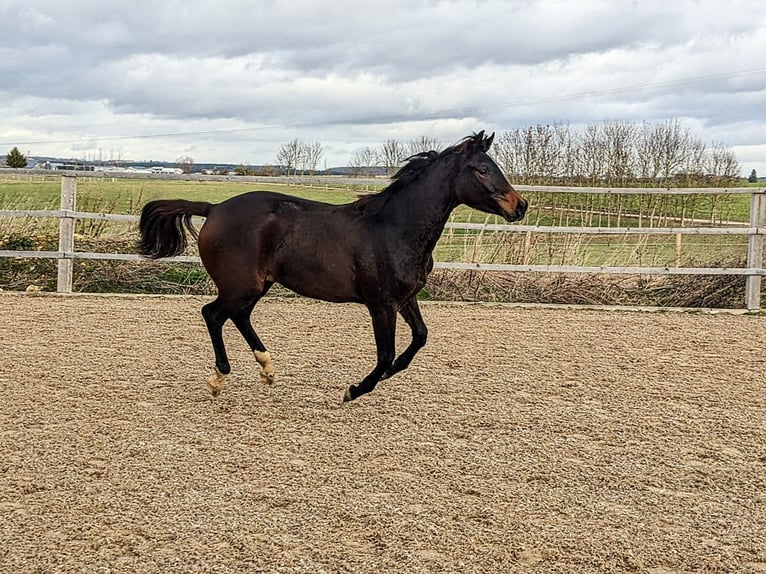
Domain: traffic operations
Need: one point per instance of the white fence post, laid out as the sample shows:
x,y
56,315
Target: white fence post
x,y
66,233
755,251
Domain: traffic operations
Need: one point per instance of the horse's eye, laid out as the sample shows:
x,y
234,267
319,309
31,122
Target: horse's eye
x,y
483,171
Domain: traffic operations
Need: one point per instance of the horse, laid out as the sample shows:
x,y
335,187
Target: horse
x,y
376,250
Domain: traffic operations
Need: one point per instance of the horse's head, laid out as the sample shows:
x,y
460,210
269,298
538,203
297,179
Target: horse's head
x,y
481,184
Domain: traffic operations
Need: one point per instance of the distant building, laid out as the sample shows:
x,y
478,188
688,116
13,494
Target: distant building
x,y
170,170
64,166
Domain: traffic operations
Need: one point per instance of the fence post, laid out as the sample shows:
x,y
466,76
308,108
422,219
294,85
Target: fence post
x,y
66,232
755,250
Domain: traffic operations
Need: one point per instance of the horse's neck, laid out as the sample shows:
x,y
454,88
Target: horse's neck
x,y
424,208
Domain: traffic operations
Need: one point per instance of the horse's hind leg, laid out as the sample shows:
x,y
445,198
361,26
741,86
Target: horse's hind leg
x,y
241,319
215,314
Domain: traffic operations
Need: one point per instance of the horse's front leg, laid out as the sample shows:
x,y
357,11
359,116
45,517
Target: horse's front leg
x,y
411,313
384,326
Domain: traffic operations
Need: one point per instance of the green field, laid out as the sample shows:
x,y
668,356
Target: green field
x,y
128,195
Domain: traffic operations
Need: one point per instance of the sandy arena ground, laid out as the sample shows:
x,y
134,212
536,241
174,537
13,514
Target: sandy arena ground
x,y
521,440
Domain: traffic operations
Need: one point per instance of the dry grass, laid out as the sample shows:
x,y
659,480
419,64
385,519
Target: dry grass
x,y
519,440
704,292
91,276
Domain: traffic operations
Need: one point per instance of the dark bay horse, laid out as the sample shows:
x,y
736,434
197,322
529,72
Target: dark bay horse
x,y
375,251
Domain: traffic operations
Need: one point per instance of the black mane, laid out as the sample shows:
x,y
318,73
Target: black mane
x,y
414,166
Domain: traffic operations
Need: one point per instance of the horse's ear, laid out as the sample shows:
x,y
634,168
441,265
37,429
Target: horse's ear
x,y
487,143
475,141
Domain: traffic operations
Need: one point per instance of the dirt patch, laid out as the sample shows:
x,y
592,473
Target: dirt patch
x,y
519,440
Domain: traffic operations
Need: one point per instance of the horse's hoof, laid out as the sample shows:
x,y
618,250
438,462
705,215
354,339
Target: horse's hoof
x,y
267,371
267,378
215,383
347,397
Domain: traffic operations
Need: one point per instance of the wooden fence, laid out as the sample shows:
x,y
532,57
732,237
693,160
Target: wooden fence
x,y
755,230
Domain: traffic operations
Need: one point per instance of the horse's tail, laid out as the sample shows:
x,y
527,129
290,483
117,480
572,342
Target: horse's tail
x,y
164,225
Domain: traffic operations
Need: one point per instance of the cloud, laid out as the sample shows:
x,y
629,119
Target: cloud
x,y
355,74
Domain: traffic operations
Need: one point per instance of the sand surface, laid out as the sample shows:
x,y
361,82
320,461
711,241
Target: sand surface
x,y
520,440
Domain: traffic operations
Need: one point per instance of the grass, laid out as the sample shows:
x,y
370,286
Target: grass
x,y
127,196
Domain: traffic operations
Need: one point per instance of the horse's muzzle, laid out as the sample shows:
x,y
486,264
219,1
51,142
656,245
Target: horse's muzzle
x,y
521,209
514,213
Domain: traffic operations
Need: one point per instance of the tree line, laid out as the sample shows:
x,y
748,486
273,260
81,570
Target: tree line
x,y
299,157
620,154
389,155
615,153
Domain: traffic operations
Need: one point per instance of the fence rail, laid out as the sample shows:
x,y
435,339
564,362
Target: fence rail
x,y
754,230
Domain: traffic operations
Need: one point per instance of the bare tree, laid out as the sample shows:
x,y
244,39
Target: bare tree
x,y
540,154
568,154
423,144
185,164
593,155
392,154
528,154
310,155
505,149
363,161
244,169
619,146
647,146
545,154
289,156
672,141
721,165
693,165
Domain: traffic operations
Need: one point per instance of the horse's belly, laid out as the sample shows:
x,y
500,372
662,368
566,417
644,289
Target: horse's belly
x,y
319,280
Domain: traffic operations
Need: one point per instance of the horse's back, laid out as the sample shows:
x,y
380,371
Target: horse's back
x,y
268,201
308,246
259,217
258,212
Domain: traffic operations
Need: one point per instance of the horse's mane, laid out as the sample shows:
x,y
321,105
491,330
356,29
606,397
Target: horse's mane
x,y
414,166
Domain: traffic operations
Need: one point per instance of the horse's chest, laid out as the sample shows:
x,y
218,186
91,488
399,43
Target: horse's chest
x,y
413,275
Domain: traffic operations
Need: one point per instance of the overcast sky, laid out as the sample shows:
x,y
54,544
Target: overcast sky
x,y
230,81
